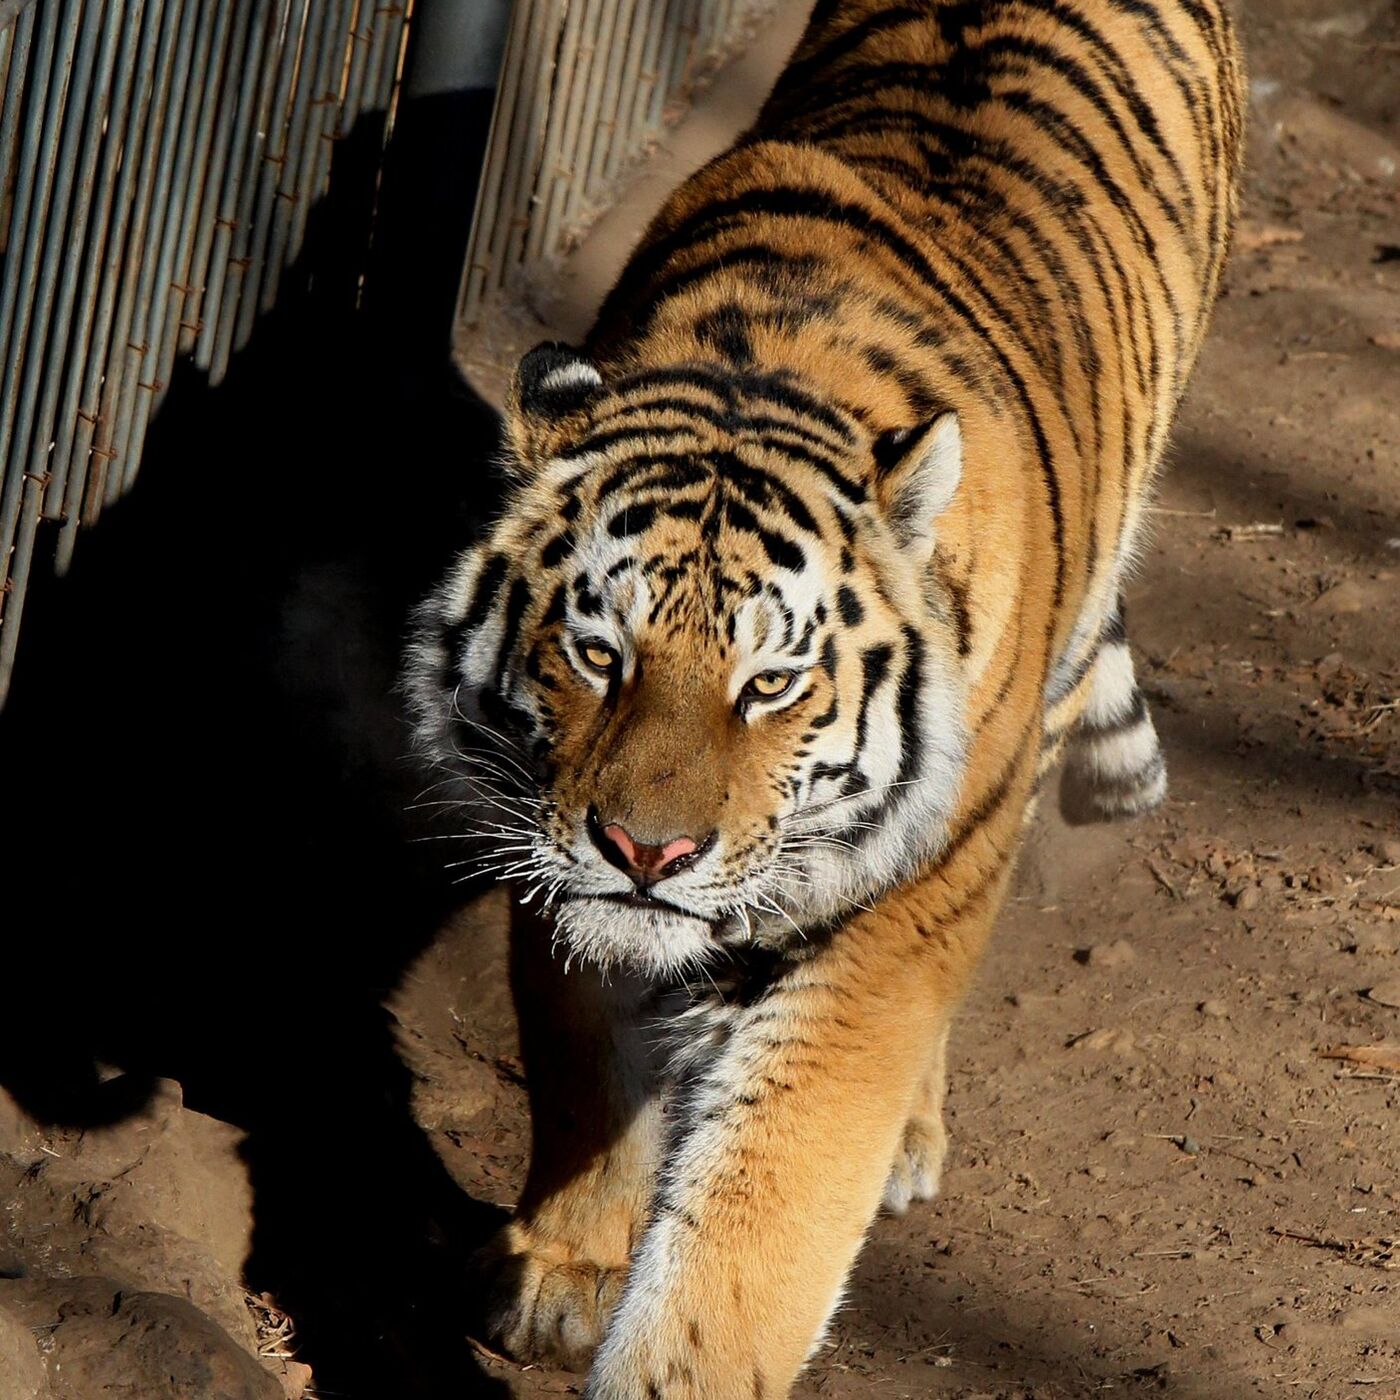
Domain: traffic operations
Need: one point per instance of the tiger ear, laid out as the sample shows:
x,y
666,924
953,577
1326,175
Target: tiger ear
x,y
917,476
552,385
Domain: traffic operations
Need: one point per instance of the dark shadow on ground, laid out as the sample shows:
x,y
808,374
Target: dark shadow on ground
x,y
1283,490
205,775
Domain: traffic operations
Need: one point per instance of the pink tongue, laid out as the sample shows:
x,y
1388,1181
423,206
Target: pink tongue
x,y
681,846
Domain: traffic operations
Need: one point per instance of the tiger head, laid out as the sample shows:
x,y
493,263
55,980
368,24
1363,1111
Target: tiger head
x,y
699,684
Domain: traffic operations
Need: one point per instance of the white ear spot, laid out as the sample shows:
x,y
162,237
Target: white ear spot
x,y
578,374
922,484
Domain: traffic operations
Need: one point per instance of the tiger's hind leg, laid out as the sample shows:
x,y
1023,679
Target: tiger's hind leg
x,y
1114,766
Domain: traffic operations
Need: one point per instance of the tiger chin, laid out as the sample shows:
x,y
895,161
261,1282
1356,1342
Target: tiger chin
x,y
806,577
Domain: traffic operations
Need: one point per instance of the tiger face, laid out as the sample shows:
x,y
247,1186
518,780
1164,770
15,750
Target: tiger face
x,y
698,687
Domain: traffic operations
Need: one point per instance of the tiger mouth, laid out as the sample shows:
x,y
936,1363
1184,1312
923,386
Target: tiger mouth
x,y
642,899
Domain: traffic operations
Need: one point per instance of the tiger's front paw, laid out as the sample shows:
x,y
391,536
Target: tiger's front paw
x,y
918,1165
543,1301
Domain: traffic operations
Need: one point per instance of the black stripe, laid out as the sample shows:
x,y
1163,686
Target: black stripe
x,y
667,403
516,603
757,257
641,432
853,491
957,592
762,423
874,667
1131,782
1135,713
794,202
686,466
725,330
780,390
488,585
910,687
555,611
781,551
558,549
765,490
992,801
1120,76
1064,203
1083,83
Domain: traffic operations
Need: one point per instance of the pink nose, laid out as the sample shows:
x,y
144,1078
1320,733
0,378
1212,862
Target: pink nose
x,y
640,859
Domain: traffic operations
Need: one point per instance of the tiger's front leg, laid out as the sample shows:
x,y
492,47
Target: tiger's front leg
x,y
918,1162
553,1275
763,1204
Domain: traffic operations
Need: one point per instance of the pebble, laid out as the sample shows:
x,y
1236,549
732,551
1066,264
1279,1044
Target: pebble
x,y
1119,1042
1386,993
1347,597
1109,955
1028,1000
1388,851
1248,898
295,1378
1214,1008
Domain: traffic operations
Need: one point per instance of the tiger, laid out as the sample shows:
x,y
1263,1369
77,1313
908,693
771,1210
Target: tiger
x,y
806,577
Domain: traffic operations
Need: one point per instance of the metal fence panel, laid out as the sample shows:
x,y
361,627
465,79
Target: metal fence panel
x,y
158,160
587,88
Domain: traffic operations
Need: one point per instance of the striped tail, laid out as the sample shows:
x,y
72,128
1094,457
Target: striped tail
x,y
1113,763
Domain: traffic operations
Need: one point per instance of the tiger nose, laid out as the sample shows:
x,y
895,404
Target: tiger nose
x,y
644,862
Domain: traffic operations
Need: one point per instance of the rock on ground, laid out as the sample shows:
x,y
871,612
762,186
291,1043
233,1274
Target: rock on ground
x,y
100,1342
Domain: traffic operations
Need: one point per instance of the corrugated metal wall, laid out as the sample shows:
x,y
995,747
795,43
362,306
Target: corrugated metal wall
x,y
587,88
158,163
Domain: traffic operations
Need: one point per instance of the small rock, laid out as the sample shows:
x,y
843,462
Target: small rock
x,y
1108,955
1189,1145
1251,236
1325,880
1026,1001
1388,851
1386,993
1345,598
1248,897
1116,1041
1271,882
104,1341
1215,1009
1374,1321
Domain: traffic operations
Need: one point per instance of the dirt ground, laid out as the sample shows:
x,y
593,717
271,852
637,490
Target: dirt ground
x,y
1159,1182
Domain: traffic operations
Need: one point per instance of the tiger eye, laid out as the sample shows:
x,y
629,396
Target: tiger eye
x,y
770,684
601,658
